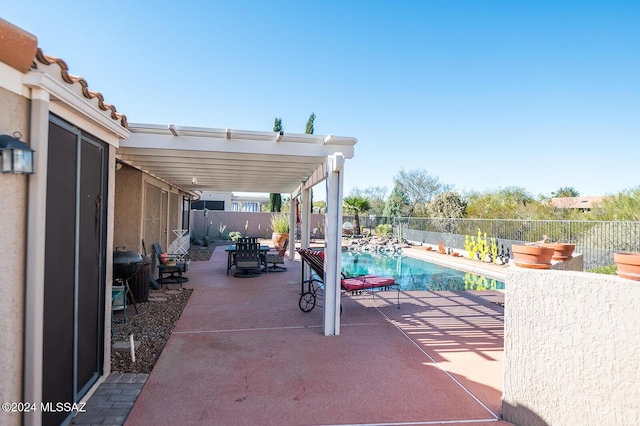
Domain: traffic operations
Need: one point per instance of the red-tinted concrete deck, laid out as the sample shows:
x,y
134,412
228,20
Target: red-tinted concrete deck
x,y
244,354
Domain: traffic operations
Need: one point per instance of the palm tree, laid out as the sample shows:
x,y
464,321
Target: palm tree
x,y
355,205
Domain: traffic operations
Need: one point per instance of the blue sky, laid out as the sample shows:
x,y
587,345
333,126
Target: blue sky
x,y
481,94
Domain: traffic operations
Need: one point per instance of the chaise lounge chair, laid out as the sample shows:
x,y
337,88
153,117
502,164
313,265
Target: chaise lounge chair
x,y
354,285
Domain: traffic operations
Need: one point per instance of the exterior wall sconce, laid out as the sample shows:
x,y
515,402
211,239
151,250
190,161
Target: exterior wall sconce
x,y
17,157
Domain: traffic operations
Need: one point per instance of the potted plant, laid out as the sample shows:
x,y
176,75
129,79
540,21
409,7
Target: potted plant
x,y
561,251
534,255
280,227
628,265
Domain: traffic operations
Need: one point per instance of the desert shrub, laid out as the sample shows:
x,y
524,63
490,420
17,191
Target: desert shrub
x,y
609,270
384,230
235,235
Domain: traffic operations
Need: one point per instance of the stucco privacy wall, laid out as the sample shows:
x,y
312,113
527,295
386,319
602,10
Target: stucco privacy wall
x,y
13,231
249,224
572,345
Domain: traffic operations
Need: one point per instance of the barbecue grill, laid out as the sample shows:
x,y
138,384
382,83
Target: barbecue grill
x,y
126,263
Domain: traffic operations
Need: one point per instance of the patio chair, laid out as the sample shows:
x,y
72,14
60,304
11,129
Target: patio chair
x,y
276,258
314,235
173,265
351,285
248,260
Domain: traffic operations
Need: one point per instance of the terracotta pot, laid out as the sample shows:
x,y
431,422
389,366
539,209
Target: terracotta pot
x,y
628,265
279,239
536,257
561,251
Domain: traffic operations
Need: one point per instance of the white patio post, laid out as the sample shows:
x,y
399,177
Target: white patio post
x,y
333,246
36,224
305,216
292,227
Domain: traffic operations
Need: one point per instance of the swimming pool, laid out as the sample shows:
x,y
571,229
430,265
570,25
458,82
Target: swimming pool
x,y
415,274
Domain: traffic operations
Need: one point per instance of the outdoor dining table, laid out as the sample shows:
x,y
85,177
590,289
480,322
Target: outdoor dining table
x,y
231,249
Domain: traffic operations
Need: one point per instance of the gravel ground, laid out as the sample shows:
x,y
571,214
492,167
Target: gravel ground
x,y
153,324
151,327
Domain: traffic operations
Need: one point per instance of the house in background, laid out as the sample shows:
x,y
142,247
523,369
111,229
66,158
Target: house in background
x,y
230,201
583,204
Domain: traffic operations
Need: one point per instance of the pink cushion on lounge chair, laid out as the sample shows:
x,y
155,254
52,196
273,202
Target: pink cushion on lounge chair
x,y
367,281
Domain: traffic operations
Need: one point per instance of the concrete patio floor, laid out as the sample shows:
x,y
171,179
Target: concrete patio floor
x,y
243,353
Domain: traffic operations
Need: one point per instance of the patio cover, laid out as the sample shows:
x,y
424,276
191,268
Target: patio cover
x,y
227,160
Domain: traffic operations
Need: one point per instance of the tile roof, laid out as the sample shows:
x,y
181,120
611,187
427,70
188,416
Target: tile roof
x,y
73,79
17,47
576,202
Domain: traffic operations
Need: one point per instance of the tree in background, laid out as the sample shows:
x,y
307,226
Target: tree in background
x,y
356,205
377,198
277,125
275,200
309,129
512,202
419,187
448,204
397,203
622,206
319,207
567,191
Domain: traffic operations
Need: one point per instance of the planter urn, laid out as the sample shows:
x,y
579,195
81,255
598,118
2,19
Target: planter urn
x,y
628,265
534,257
561,251
279,238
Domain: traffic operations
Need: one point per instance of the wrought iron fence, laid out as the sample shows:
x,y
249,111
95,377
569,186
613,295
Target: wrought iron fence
x,y
596,240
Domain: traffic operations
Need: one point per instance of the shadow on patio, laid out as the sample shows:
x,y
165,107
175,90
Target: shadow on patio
x,y
243,353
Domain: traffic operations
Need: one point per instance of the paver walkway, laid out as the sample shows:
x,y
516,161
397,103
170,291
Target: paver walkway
x,y
111,403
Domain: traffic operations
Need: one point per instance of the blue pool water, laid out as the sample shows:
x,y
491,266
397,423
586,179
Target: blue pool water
x,y
415,274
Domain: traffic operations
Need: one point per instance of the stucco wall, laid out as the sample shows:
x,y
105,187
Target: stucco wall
x,y
258,224
13,228
572,345
128,209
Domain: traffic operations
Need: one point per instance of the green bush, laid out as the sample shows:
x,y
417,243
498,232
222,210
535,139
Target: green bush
x,y
384,230
235,235
609,270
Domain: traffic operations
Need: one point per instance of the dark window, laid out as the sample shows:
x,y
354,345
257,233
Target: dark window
x,y
210,205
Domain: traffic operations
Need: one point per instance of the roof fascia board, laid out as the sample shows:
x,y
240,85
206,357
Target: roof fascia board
x,y
244,146
318,176
74,102
11,80
235,134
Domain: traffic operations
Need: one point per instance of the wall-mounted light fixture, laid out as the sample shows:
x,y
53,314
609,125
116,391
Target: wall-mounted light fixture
x,y
17,157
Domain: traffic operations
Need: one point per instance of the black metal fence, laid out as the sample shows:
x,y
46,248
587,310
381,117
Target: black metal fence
x,y
596,240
